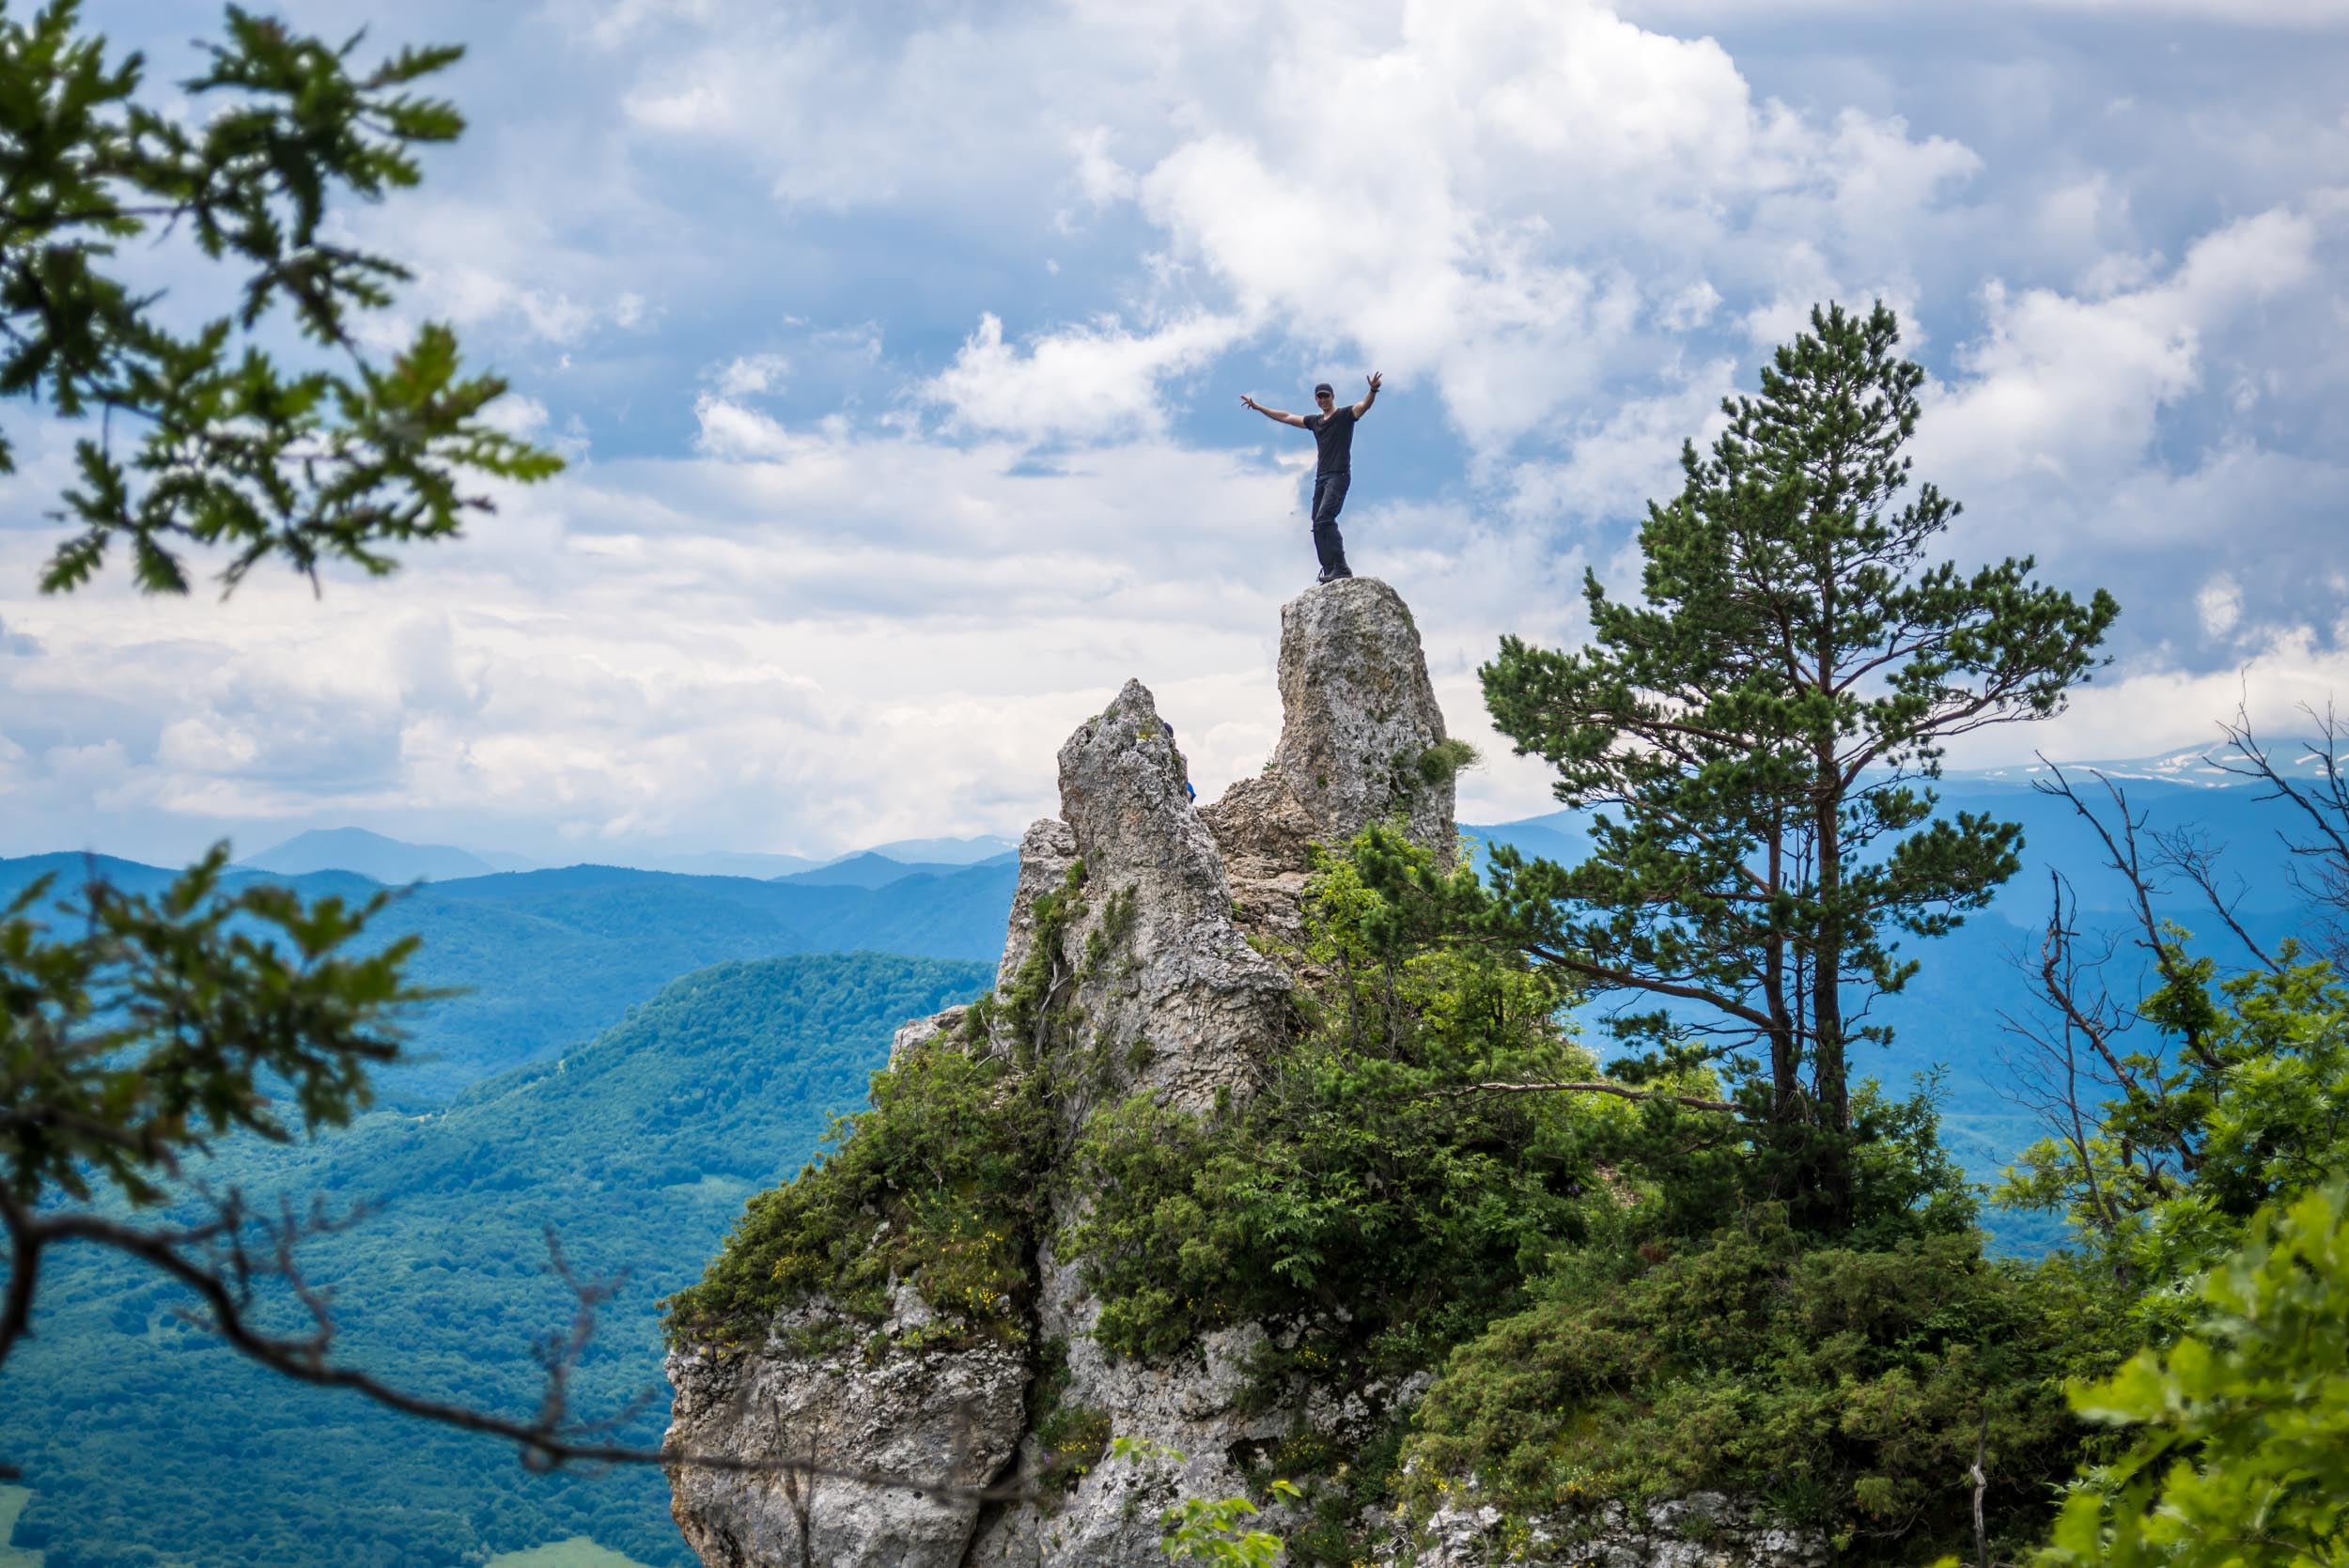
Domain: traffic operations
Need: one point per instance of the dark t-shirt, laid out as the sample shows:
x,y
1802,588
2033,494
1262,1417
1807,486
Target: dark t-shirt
x,y
1334,432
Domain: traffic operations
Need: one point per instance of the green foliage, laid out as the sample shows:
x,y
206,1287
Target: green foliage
x,y
1029,1006
1753,730
165,1021
2240,1105
936,1181
1360,1176
1203,1529
1199,1530
639,1147
2241,1451
336,459
1073,1438
1445,760
1846,1387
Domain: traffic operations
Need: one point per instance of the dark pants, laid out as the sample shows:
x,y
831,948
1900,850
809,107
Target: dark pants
x,y
1328,495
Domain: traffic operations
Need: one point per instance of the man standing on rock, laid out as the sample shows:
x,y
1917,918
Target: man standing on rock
x,y
1334,432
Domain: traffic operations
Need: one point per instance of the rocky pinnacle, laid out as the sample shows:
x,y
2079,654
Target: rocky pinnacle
x,y
1162,970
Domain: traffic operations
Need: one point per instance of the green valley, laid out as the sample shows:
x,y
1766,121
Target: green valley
x,y
147,1443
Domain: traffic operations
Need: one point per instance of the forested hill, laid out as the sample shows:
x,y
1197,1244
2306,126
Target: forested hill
x,y
540,960
147,1443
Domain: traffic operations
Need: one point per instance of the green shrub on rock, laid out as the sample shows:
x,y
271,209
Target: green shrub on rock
x,y
936,1181
1367,1182
1844,1387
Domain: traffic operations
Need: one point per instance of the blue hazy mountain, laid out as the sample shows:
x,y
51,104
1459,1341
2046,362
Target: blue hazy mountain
x,y
948,851
385,860
726,862
872,869
396,861
146,1443
540,960
2170,795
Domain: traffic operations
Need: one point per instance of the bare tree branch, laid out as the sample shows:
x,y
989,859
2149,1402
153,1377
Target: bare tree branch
x,y
221,1277
1619,1091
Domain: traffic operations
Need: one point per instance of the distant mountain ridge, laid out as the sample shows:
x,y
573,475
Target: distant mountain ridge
x,y
397,863
874,869
2168,792
389,861
540,960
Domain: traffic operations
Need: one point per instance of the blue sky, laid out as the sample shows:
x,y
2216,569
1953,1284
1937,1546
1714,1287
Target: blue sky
x,y
898,348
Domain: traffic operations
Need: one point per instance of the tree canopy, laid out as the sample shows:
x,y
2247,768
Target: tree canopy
x,y
1757,735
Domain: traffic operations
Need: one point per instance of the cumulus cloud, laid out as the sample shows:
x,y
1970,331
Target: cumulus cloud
x,y
1083,383
1611,467
2065,383
2066,432
1539,195
748,374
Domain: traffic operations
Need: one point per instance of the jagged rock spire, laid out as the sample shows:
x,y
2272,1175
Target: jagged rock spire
x,y
1142,977
1358,713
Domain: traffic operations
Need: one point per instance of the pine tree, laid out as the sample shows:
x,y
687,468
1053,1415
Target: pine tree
x,y
1758,736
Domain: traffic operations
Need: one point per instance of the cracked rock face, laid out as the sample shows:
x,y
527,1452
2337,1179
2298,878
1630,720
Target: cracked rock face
x,y
1168,994
865,1402
1358,712
1164,994
1703,1530
1047,850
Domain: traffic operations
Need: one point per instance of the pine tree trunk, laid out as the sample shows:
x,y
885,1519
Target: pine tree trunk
x,y
1786,1109
1830,1081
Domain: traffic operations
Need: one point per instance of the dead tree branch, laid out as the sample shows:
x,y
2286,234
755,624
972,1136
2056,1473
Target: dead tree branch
x,y
225,1260
1621,1092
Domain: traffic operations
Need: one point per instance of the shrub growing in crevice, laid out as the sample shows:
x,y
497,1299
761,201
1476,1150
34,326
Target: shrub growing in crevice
x,y
936,1183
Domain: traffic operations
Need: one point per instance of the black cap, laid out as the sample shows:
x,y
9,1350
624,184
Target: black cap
x,y
1323,386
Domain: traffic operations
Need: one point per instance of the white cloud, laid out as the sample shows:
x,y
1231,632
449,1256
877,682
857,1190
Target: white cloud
x,y
1101,177
1096,382
748,374
2163,705
2071,387
1611,471
2325,15
1516,201
2220,605
802,640
1536,195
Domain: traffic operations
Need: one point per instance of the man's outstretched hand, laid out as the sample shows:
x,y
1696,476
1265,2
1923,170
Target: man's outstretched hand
x,y
1377,378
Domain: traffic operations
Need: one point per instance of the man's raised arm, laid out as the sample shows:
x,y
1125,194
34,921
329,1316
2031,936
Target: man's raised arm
x,y
1271,413
1371,396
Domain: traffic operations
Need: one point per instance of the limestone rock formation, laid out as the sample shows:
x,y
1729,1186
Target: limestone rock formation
x,y
1703,1530
1359,722
816,1390
1146,951
1168,994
